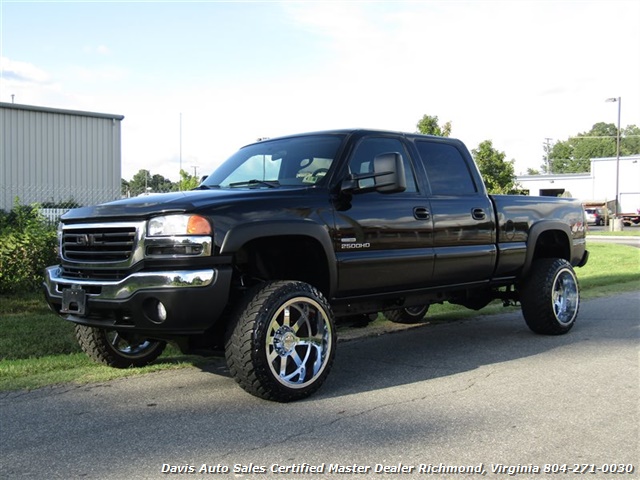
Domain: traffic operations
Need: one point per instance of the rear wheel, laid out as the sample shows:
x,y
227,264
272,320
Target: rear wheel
x,y
281,345
117,349
550,297
407,315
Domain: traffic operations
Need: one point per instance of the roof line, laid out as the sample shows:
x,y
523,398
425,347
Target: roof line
x,y
34,108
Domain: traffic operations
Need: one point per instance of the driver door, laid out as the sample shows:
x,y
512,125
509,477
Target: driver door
x,y
383,241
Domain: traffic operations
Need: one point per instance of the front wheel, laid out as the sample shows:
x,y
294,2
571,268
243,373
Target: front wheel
x,y
281,344
550,296
116,349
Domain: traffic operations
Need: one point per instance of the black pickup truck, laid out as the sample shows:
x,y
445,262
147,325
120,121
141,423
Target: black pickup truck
x,y
292,234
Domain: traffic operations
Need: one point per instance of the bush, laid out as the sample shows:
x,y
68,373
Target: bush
x,y
27,245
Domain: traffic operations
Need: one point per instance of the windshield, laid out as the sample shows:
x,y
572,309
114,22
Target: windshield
x,y
295,161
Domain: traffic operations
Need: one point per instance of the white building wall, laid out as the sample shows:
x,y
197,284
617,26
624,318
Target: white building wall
x,y
599,185
576,184
604,171
52,155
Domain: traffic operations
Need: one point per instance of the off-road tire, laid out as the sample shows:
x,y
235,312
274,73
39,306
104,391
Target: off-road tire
x,y
407,315
550,296
280,345
116,349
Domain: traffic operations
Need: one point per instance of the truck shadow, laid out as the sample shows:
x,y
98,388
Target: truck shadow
x,y
431,351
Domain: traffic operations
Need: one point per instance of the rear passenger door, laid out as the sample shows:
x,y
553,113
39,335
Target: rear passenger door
x,y
463,220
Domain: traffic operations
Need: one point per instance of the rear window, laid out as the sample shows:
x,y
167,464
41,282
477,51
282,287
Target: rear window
x,y
447,170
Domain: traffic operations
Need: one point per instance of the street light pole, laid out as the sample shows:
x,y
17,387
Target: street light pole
x,y
619,100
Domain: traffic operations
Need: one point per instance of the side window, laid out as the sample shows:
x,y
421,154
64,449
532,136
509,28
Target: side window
x,y
362,159
447,169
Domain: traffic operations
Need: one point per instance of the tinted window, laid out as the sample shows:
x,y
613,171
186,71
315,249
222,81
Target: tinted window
x,y
362,159
447,169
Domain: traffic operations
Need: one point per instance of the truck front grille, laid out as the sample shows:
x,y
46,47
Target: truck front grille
x,y
99,245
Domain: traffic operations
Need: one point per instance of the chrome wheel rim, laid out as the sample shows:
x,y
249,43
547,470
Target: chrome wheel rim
x,y
130,347
565,297
298,343
417,311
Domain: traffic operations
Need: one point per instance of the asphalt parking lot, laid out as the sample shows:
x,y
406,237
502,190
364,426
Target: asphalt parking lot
x,y
482,392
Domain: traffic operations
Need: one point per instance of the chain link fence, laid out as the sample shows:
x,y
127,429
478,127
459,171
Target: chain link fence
x,y
54,198
54,201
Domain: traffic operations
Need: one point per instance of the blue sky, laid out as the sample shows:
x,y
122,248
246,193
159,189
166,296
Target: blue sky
x,y
197,80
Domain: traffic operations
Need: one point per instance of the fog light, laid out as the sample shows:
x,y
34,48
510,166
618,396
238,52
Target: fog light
x,y
162,312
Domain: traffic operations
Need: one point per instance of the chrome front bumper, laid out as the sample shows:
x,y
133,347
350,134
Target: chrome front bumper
x,y
125,288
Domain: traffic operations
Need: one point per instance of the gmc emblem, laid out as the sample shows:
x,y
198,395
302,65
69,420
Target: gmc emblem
x,y
88,240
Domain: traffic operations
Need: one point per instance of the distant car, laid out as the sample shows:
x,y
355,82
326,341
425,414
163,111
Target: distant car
x,y
594,216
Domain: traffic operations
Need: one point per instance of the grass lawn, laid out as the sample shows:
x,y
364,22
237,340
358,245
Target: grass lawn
x,y
39,349
627,232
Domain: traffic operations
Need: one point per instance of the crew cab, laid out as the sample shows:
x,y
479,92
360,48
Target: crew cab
x,y
292,234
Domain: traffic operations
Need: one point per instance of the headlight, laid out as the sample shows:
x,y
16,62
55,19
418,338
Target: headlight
x,y
168,225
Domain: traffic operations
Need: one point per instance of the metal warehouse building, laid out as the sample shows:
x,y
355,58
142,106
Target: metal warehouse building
x,y
53,156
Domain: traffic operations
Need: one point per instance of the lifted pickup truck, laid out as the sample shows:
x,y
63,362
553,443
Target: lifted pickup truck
x,y
290,234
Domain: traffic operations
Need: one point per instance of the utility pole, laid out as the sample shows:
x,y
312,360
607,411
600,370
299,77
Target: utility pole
x,y
619,101
180,176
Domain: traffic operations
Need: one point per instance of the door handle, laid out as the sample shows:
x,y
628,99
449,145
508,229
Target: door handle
x,y
478,214
421,213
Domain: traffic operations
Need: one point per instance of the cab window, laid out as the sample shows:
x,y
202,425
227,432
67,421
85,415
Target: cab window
x,y
447,170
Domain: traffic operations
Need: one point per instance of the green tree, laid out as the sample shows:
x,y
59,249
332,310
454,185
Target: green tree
x,y
27,245
124,188
144,181
161,184
574,154
498,174
560,158
428,125
188,182
139,183
630,141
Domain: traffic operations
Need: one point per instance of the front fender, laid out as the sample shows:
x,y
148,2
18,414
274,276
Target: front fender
x,y
239,235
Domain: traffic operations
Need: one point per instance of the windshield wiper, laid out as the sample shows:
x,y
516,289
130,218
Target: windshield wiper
x,y
206,187
270,184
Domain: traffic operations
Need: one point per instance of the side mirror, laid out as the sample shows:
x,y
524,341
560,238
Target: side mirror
x,y
388,176
388,169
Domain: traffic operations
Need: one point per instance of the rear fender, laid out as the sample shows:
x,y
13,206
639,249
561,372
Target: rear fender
x,y
562,250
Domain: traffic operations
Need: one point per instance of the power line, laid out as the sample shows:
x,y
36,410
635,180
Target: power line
x,y
604,136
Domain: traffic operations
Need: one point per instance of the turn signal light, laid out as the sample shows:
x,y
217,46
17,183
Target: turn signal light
x,y
198,225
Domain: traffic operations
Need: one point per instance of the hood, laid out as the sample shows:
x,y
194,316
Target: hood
x,y
163,203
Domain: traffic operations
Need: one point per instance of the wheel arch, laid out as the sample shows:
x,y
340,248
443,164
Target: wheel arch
x,y
548,239
287,251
